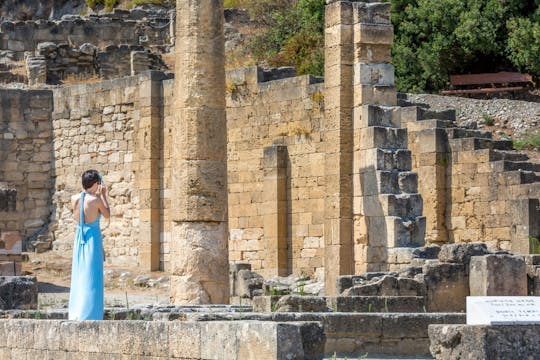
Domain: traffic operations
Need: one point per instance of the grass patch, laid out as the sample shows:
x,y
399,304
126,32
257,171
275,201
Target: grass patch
x,y
528,141
487,119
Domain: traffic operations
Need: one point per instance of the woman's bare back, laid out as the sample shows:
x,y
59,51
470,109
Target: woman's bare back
x,y
91,207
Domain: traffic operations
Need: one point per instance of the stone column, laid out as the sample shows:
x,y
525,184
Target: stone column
x,y
148,178
338,103
275,218
199,247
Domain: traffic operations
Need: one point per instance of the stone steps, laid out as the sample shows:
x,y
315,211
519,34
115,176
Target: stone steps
x,y
368,304
475,143
496,155
388,182
407,206
505,165
385,159
383,138
460,133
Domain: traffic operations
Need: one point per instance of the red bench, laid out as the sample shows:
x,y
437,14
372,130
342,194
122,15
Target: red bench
x,y
488,83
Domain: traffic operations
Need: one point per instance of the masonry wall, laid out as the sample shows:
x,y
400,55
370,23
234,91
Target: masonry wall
x,y
26,163
475,189
118,28
286,112
95,127
485,201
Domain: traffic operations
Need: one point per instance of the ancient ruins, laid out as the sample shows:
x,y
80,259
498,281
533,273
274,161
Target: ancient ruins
x,y
225,180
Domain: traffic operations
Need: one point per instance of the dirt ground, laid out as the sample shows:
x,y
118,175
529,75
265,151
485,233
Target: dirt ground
x,y
53,274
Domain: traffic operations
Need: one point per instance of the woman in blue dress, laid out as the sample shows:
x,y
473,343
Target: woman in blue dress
x,y
86,294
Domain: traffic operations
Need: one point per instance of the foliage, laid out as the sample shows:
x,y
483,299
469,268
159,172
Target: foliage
x,y
524,44
528,141
437,38
153,2
295,34
108,4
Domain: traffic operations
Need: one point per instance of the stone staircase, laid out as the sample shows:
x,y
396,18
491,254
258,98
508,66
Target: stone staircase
x,y
389,188
11,72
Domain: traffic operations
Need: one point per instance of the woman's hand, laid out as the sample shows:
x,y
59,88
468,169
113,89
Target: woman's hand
x,y
103,189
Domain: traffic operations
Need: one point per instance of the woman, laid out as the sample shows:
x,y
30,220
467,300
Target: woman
x,y
86,295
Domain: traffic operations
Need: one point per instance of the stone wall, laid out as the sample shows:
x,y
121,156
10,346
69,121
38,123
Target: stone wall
x,y
475,188
103,127
87,61
26,165
276,196
120,27
155,340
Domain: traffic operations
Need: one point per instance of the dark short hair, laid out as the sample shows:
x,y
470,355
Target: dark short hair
x,y
89,178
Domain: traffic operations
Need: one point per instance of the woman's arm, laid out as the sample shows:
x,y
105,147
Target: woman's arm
x,y
104,203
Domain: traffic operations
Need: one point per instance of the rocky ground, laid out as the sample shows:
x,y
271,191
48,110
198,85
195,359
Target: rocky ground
x,y
122,286
516,119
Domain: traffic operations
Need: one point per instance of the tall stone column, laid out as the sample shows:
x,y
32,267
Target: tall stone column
x,y
199,248
338,103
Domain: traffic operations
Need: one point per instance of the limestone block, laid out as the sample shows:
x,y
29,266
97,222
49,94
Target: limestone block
x,y
199,263
201,134
447,286
461,253
18,292
365,33
374,115
387,286
364,304
373,74
10,268
401,205
294,303
338,13
497,275
184,339
202,190
10,242
382,137
432,140
247,282
372,53
484,342
375,95
373,13
339,35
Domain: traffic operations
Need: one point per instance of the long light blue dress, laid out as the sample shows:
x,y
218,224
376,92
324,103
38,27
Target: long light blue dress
x,y
86,294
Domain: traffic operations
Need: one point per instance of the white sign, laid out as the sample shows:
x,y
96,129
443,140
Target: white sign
x,y
503,310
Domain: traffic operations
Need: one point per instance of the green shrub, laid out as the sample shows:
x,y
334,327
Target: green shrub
x,y
437,38
92,4
110,4
167,3
295,36
529,141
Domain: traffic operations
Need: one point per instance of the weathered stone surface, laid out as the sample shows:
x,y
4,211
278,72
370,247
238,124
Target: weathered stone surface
x,y
387,286
484,342
247,283
199,157
461,253
497,275
447,286
199,256
394,304
293,303
18,292
158,339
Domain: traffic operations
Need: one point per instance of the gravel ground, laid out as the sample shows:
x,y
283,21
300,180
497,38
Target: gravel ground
x,y
513,117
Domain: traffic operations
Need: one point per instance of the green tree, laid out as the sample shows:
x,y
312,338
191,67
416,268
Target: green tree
x,y
295,37
524,43
437,38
